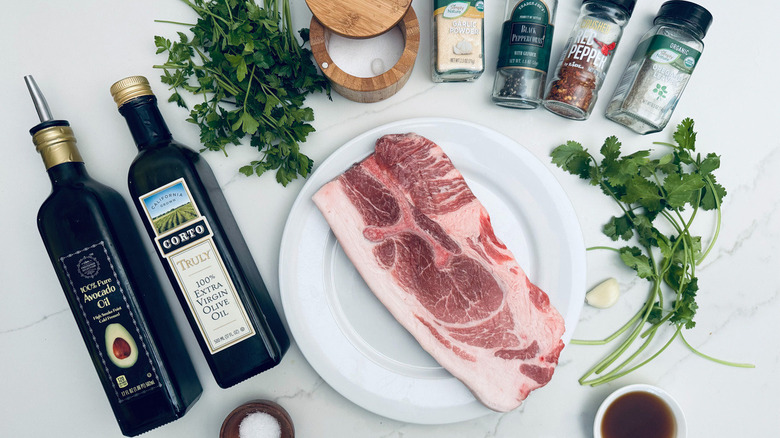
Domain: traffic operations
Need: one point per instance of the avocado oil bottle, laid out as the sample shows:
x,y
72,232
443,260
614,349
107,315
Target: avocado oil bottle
x,y
200,245
110,284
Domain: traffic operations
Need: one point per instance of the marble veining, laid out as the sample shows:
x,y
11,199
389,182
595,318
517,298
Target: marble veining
x,y
45,369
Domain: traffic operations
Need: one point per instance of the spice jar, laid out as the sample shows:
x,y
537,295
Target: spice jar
x,y
458,40
524,57
661,66
584,62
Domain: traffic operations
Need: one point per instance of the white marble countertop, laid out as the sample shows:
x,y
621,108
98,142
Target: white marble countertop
x,y
77,49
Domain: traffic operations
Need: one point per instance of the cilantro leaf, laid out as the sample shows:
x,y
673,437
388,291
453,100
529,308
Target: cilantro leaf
x,y
680,188
652,194
572,158
619,228
712,196
636,260
710,163
685,136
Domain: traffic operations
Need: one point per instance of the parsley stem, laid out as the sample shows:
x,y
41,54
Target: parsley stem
x,y
202,11
230,13
249,86
175,22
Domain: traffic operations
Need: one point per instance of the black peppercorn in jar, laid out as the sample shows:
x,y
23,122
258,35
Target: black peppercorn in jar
x,y
524,57
584,62
660,69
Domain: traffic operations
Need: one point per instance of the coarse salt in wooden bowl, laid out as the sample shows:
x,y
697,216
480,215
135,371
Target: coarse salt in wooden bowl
x,y
371,89
231,427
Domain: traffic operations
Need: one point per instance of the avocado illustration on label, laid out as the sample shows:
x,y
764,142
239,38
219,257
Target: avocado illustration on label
x,y
120,346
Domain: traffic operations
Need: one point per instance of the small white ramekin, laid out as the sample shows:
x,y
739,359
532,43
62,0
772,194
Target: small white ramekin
x,y
679,416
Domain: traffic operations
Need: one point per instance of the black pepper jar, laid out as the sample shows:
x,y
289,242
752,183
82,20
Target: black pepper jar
x,y
584,63
660,68
524,56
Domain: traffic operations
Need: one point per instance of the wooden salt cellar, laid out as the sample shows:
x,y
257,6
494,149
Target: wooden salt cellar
x,y
364,19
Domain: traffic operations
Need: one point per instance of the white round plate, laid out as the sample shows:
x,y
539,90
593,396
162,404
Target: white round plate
x,y
348,336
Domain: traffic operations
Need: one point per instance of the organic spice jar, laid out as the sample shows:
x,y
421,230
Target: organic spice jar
x,y
584,63
458,40
661,66
524,57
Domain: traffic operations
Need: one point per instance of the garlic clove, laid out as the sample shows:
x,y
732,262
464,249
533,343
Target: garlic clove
x,y
604,295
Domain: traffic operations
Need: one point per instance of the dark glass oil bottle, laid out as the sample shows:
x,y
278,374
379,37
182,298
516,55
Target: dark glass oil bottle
x,y
110,284
200,245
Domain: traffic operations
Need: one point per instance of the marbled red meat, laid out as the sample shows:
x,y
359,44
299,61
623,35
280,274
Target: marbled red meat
x,y
425,246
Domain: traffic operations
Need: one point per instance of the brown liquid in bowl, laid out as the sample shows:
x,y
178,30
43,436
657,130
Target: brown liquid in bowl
x,y
638,415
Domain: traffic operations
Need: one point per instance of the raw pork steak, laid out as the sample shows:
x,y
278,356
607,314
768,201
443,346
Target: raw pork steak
x,y
425,246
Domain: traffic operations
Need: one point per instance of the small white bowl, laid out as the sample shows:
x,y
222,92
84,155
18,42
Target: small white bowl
x,y
677,413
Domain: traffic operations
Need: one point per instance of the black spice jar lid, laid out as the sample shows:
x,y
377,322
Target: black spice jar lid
x,y
693,14
626,5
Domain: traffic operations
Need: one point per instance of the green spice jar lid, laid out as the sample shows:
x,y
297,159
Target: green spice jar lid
x,y
359,18
693,14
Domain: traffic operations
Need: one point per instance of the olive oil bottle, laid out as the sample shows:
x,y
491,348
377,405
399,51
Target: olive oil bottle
x,y
109,282
200,245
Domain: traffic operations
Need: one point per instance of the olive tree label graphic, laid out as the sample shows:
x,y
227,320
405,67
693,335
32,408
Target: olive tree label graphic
x,y
184,240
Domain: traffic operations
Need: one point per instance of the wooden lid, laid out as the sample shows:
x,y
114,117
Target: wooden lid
x,y
359,18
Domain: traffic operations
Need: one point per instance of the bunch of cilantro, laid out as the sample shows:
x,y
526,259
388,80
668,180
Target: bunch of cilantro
x,y
652,194
253,75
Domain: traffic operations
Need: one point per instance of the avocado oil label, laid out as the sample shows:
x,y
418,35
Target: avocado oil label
x,y
111,321
184,239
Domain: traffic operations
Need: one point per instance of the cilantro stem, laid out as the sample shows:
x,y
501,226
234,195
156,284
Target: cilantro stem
x,y
713,359
606,362
646,189
614,335
602,247
616,375
708,180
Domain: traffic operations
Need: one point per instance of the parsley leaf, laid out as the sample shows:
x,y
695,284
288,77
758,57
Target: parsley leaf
x,y
253,76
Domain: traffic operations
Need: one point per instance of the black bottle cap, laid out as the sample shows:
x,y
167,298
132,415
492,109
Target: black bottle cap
x,y
691,13
626,5
48,124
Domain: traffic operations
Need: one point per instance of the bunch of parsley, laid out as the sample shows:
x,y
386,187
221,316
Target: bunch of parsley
x,y
652,193
253,75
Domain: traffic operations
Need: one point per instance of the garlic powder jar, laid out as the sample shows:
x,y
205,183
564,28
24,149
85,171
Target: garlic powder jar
x,y
458,40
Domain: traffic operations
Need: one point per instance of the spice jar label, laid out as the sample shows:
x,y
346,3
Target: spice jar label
x,y
112,324
592,46
585,62
666,67
663,50
458,36
527,37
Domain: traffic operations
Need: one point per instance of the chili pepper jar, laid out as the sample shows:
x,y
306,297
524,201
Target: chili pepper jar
x,y
660,69
584,62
